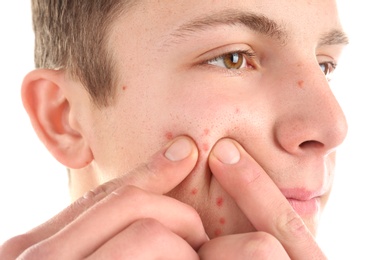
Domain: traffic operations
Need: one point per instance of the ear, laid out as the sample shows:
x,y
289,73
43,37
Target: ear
x,y
49,111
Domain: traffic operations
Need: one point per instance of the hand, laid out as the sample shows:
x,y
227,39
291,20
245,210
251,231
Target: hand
x,y
127,216
282,233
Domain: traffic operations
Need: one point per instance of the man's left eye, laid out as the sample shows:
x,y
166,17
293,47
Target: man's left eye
x,y
232,61
328,68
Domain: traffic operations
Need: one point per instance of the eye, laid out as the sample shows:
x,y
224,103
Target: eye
x,y
328,69
232,61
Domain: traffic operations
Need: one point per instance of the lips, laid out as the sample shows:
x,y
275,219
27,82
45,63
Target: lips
x,y
305,207
303,201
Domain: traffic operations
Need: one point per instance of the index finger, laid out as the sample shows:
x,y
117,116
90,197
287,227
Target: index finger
x,y
261,200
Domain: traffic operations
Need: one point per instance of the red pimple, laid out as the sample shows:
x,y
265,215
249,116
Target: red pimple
x,y
205,147
124,87
194,191
169,136
222,221
206,131
218,232
300,83
219,201
237,110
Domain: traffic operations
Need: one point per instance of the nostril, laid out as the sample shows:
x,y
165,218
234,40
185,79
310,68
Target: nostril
x,y
311,144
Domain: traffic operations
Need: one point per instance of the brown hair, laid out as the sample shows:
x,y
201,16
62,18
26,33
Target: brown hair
x,y
72,35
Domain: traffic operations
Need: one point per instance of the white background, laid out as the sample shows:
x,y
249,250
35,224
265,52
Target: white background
x,y
356,223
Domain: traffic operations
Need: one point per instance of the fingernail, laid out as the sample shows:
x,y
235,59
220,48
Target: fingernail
x,y
179,150
226,152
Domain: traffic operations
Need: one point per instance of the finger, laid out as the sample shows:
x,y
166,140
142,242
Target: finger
x,y
260,199
118,211
256,245
146,239
165,170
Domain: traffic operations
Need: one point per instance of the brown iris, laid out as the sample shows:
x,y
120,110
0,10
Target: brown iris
x,y
233,60
328,68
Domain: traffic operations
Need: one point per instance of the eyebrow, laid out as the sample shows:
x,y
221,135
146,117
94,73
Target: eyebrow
x,y
255,22
334,37
258,23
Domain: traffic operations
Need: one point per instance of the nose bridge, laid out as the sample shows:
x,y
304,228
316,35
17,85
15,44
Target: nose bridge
x,y
312,120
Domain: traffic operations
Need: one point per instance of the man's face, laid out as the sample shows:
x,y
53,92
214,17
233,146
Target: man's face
x,y
180,73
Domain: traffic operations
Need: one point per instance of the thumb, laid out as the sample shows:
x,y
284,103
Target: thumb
x,y
164,171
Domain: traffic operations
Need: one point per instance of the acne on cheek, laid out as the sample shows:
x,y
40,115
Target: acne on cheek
x,y
219,202
194,191
219,227
218,232
169,136
300,83
205,146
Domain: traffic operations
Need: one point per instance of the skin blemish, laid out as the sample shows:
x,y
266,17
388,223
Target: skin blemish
x,y
218,232
124,87
169,135
219,201
194,191
222,221
206,132
237,110
205,147
300,83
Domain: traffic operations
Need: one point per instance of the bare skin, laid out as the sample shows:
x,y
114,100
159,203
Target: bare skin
x,y
174,230
256,123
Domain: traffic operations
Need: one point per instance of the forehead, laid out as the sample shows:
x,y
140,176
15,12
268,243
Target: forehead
x,y
156,27
295,17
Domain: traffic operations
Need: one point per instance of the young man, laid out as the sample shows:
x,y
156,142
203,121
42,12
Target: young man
x,y
191,129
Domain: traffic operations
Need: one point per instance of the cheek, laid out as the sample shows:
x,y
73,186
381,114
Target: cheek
x,y
205,125
208,120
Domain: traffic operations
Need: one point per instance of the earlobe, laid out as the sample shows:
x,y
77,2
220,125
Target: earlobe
x,y
49,110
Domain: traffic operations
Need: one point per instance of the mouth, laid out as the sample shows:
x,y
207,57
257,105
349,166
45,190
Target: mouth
x,y
304,202
308,207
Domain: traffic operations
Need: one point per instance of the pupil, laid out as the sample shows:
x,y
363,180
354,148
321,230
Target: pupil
x,y
324,68
235,57
233,61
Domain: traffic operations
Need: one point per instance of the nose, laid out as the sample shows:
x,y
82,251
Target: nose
x,y
311,120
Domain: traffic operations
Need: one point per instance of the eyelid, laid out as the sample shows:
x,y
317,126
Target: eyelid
x,y
244,49
248,53
322,58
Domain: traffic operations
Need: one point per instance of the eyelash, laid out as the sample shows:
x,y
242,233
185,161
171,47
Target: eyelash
x,y
248,57
249,60
328,71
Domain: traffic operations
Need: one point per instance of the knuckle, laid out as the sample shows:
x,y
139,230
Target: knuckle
x,y
292,227
129,195
261,245
130,192
35,251
106,188
13,247
153,230
191,215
